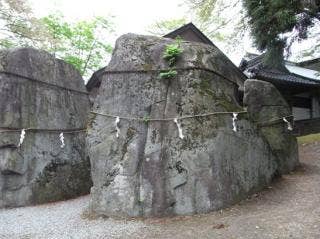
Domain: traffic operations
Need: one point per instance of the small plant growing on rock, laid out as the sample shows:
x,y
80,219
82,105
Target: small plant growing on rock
x,y
146,119
168,74
171,53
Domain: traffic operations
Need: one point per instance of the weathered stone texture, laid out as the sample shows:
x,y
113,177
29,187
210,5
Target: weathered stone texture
x,y
148,170
41,171
265,105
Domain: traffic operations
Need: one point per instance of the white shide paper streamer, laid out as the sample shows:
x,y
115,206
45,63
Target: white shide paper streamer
x,y
235,115
181,136
22,136
117,126
288,123
61,140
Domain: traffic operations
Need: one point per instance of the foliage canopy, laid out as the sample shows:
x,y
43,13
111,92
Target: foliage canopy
x,y
270,20
81,43
274,24
213,18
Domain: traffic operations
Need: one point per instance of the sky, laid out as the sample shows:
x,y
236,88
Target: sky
x,y
129,16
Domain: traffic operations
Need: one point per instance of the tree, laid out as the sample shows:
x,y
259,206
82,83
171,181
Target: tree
x,y
309,48
272,20
213,18
18,26
274,24
222,21
82,43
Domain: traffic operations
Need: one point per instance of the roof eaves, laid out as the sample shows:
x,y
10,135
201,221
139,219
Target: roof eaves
x,y
287,78
304,63
189,26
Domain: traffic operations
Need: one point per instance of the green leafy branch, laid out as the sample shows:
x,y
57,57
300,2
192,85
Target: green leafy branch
x,y
171,54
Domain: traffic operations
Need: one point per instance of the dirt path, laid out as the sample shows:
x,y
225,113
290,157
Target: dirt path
x,y
290,208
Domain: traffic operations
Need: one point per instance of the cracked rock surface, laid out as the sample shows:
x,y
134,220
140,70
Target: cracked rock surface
x,y
40,170
149,171
265,107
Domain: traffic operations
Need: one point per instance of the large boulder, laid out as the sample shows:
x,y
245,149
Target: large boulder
x,y
269,110
41,92
148,170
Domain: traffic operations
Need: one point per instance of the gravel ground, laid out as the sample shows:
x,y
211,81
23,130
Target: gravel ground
x,y
62,220
288,209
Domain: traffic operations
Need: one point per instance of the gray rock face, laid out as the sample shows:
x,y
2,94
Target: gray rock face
x,y
40,170
267,107
149,170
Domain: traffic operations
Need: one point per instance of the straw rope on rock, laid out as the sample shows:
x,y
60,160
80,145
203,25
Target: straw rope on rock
x,y
173,167
264,104
40,92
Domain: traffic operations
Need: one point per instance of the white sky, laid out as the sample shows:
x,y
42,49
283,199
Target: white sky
x,y
130,15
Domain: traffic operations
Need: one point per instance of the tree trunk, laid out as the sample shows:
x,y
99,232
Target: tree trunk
x,y
274,58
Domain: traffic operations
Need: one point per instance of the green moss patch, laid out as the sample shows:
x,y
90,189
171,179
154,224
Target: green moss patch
x,y
308,138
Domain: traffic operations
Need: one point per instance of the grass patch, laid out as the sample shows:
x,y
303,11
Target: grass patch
x,y
308,138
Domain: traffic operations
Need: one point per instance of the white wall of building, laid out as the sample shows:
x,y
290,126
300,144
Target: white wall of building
x,y
301,113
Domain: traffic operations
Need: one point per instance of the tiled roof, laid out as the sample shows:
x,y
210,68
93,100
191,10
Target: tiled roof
x,y
253,68
285,78
305,63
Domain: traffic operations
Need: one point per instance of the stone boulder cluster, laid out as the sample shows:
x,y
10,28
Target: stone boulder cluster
x,y
199,140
